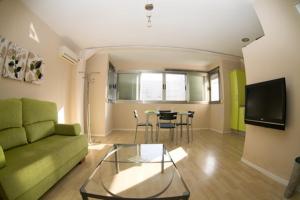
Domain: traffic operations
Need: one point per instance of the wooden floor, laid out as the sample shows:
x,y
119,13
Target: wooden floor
x,y
211,168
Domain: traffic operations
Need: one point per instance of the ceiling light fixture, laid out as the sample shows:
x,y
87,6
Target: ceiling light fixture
x,y
149,8
245,39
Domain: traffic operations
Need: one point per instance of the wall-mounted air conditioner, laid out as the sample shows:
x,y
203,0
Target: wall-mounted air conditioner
x,y
68,55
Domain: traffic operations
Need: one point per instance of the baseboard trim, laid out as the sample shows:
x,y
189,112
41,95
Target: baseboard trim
x,y
227,132
143,130
101,135
216,130
266,172
109,132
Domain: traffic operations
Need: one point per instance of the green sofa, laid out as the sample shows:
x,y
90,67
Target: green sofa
x,y
35,151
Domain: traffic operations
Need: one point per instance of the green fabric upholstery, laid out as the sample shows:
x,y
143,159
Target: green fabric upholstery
x,y
38,111
67,129
39,130
2,158
12,137
32,169
28,171
43,186
11,113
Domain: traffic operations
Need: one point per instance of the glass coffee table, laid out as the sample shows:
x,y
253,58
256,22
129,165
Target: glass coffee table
x,y
135,171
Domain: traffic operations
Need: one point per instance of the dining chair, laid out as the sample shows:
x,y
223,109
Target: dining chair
x,y
166,120
188,123
164,111
143,124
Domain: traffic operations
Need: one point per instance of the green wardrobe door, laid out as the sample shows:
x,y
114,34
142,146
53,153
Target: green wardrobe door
x,y
241,79
242,126
237,86
234,100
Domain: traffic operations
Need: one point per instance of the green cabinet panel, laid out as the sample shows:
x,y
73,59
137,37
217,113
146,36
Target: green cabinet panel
x,y
242,126
237,90
234,100
241,83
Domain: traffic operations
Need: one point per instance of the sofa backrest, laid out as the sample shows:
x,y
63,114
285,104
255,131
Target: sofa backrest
x,y
39,118
12,133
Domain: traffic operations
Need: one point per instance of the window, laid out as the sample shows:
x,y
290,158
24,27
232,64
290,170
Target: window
x,y
163,86
197,86
214,83
151,87
175,87
128,86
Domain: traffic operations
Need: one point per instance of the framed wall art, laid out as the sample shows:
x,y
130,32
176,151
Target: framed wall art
x,y
34,72
15,62
3,50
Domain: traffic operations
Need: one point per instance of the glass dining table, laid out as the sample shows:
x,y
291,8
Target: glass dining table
x,y
136,171
149,113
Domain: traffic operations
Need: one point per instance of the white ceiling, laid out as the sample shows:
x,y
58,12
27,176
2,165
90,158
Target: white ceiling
x,y
210,25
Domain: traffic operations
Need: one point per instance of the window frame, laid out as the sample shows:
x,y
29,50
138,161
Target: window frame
x,y
164,101
210,73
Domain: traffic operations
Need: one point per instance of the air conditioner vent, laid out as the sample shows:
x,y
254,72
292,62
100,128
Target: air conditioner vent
x,y
68,55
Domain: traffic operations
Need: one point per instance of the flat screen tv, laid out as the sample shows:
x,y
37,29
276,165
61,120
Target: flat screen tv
x,y
266,104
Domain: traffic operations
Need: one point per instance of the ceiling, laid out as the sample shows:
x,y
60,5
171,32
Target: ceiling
x,y
207,25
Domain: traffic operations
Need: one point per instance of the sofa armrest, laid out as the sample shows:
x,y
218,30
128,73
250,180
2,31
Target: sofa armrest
x,y
67,129
2,158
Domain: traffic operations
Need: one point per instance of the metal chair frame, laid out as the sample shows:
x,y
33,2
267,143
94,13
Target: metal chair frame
x,y
188,124
138,124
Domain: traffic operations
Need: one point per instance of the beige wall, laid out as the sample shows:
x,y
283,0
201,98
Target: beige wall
x,y
154,65
124,120
109,118
15,22
101,110
219,114
273,56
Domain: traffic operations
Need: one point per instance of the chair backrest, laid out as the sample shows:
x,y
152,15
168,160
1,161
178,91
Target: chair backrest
x,y
191,114
164,111
168,115
135,114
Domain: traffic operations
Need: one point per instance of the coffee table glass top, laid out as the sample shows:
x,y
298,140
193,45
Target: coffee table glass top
x,y
142,171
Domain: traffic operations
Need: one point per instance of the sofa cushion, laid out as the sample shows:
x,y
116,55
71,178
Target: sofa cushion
x,y
67,129
11,113
39,130
28,165
12,137
38,111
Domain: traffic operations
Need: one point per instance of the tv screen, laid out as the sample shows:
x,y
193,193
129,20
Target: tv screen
x,y
266,104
